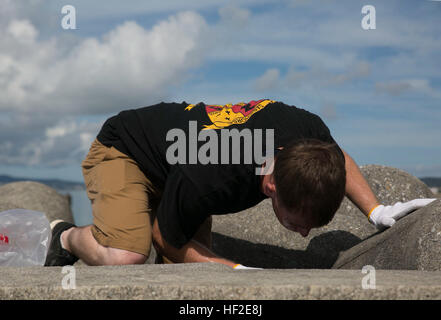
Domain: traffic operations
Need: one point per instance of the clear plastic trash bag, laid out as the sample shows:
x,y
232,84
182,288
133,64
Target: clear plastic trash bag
x,y
25,236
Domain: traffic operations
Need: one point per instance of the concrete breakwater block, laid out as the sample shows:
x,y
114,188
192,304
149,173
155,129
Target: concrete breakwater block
x,y
413,243
208,281
254,237
35,196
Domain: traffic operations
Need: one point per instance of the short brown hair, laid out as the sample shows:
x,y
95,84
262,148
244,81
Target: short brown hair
x,y
310,178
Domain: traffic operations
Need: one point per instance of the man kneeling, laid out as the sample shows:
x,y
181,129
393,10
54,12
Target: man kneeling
x,y
140,198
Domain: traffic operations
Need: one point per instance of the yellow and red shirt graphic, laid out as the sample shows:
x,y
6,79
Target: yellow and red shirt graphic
x,y
223,116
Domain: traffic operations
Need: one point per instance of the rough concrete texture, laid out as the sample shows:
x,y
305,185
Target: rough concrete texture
x,y
413,243
254,237
35,196
213,281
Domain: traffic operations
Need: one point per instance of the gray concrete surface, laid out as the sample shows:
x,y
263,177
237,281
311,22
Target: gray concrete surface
x,y
413,243
214,281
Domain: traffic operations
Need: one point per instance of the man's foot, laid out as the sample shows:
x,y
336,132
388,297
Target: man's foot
x,y
57,256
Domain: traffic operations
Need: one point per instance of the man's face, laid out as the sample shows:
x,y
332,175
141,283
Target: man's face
x,y
290,220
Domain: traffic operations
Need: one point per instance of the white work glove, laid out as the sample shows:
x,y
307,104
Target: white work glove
x,y
241,267
385,216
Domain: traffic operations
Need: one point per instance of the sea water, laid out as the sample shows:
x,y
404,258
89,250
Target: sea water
x,y
80,205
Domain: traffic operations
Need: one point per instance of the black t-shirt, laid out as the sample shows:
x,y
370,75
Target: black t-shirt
x,y
192,189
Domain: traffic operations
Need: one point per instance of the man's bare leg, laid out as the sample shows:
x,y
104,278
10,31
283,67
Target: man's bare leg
x,y
81,243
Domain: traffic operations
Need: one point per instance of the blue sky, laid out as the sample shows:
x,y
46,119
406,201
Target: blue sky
x,y
379,91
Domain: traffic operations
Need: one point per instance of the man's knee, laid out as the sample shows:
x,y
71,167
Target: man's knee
x,y
116,256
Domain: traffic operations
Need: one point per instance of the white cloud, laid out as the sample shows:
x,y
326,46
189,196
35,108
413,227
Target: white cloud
x,y
45,87
234,15
128,66
46,83
359,70
395,88
44,142
315,77
268,80
154,7
22,31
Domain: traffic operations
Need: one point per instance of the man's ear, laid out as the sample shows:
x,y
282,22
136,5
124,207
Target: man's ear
x,y
269,187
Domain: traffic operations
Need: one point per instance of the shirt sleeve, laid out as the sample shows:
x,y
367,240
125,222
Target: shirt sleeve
x,y
180,212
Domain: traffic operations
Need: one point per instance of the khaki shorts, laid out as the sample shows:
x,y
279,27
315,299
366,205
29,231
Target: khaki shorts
x,y
123,201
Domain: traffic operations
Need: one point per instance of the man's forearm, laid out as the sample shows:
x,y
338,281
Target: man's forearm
x,y
357,188
193,251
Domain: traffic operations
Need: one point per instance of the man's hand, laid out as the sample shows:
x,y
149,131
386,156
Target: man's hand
x,y
385,216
